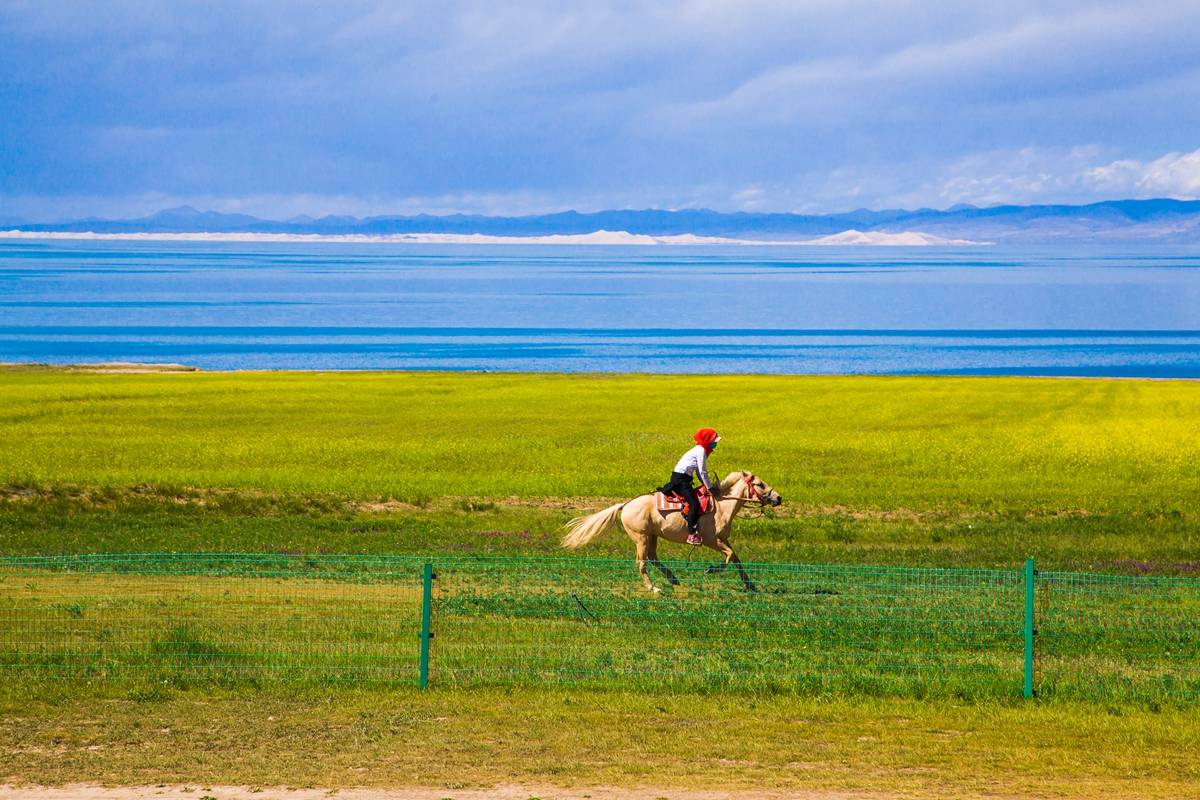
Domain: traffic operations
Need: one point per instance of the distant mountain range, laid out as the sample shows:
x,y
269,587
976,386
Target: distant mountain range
x,y
1150,220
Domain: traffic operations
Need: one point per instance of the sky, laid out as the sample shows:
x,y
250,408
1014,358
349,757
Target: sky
x,y
120,108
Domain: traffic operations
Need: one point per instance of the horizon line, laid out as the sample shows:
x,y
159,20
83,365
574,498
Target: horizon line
x,y
190,208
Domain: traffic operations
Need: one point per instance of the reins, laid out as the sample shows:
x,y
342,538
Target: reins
x,y
755,496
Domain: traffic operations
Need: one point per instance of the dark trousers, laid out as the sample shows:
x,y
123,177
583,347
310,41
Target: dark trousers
x,y
682,485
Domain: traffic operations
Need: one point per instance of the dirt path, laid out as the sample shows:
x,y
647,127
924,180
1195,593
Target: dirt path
x,y
86,792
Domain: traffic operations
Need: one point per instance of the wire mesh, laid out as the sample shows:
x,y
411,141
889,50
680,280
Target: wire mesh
x,y
210,618
1118,638
571,622
806,628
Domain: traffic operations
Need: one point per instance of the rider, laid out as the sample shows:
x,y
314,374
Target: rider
x,y
694,462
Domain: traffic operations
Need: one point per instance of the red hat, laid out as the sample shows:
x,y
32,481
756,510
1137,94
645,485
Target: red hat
x,y
706,437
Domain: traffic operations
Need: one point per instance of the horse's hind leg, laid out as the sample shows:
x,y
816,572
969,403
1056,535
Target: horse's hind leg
x,y
643,553
652,554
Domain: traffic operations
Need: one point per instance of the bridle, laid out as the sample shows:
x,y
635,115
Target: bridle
x,y
755,495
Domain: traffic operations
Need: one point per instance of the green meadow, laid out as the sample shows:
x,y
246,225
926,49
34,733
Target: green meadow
x,y
209,620
1083,475
451,740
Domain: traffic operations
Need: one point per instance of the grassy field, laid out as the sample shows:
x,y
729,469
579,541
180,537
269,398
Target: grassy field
x,y
454,739
1082,474
1091,475
274,621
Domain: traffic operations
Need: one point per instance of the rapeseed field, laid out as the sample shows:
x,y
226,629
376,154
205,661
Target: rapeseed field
x,y
1086,474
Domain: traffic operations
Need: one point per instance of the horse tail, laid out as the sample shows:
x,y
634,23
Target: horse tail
x,y
582,530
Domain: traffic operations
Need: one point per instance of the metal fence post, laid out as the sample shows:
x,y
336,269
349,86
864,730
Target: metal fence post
x,y
426,620
1030,576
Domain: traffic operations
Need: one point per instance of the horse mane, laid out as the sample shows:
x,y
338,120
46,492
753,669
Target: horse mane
x,y
731,480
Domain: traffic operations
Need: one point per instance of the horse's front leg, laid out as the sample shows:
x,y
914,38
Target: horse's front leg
x,y
666,571
723,547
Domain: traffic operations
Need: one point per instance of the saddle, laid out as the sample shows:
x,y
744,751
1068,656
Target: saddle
x,y
666,503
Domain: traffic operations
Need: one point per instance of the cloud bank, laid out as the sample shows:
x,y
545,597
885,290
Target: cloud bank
x,y
276,108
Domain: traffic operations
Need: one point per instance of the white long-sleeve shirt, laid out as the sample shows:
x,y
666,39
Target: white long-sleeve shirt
x,y
695,462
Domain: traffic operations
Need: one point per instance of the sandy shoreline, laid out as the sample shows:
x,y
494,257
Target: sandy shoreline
x,y
847,238
130,367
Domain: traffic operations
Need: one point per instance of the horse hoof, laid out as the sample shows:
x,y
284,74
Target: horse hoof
x,y
655,590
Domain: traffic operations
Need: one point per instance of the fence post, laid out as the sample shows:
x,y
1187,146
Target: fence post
x,y
426,620
1029,581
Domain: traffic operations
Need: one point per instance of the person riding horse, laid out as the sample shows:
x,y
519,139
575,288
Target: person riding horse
x,y
646,523
694,463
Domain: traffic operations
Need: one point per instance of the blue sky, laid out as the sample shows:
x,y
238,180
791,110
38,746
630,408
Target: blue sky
x,y
279,108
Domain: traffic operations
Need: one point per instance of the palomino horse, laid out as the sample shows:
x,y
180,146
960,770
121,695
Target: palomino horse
x,y
645,524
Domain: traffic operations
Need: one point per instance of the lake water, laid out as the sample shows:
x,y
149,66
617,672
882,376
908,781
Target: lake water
x,y
1118,310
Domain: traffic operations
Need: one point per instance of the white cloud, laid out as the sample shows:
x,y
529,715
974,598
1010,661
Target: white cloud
x,y
1028,175
1173,175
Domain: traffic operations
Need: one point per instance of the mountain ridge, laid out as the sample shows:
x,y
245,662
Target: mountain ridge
x,y
1162,219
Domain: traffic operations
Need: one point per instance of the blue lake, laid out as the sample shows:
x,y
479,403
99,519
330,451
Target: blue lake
x,y
1117,311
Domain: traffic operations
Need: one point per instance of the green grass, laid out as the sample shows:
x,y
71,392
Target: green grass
x,y
957,472
864,443
1082,474
451,740
312,621
192,628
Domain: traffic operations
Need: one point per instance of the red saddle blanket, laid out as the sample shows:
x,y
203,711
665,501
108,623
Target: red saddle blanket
x,y
667,503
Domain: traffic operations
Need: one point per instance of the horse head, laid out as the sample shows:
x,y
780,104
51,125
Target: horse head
x,y
748,486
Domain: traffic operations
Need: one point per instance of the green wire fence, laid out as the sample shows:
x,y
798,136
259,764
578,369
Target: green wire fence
x,y
571,622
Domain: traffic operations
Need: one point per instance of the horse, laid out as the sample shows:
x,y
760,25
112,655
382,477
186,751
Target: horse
x,y
645,524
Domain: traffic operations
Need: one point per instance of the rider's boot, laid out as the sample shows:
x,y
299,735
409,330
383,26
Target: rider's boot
x,y
694,538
